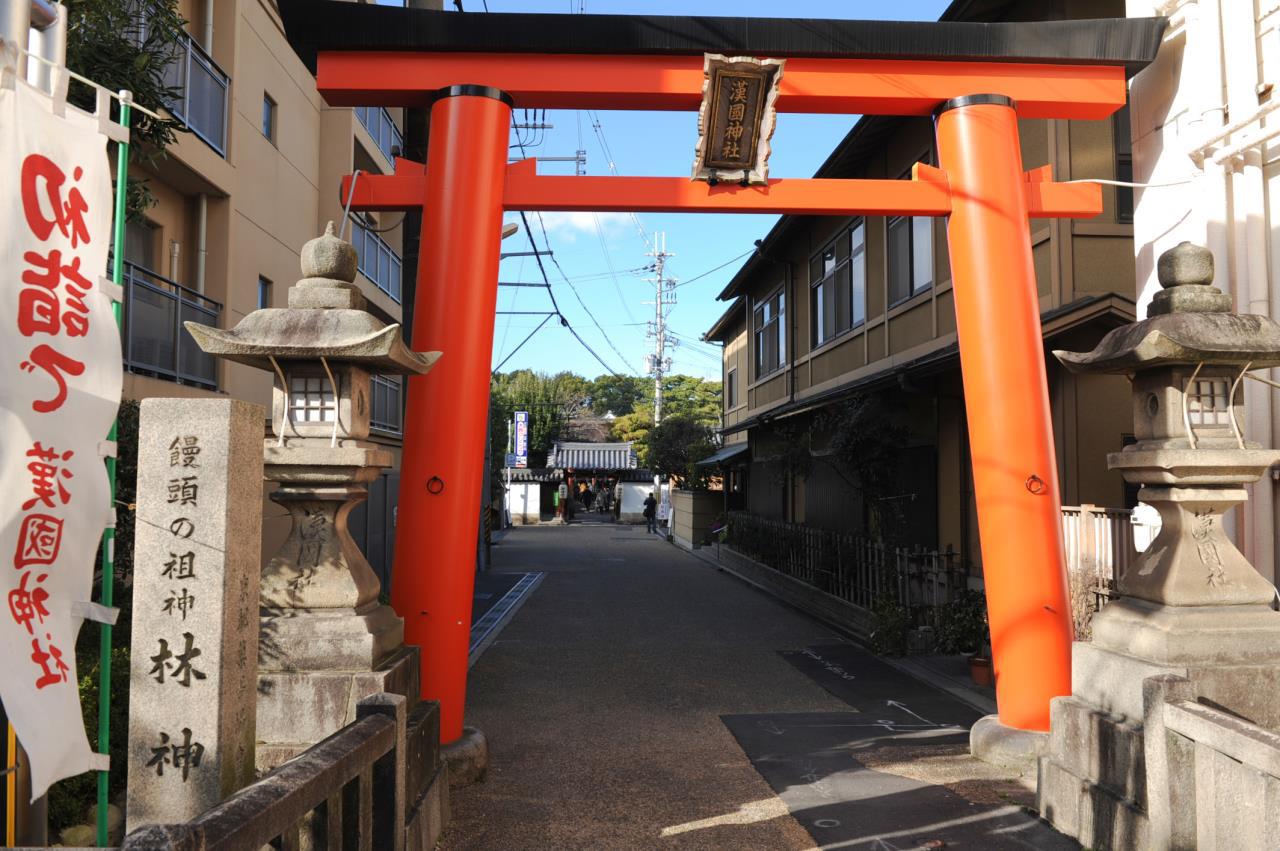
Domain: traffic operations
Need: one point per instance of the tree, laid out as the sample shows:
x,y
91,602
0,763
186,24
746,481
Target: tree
x,y
695,398
551,400
127,44
635,427
619,394
674,447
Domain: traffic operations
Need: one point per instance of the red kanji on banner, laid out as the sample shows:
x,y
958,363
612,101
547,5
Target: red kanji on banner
x,y
47,475
39,307
38,541
41,658
54,363
26,604
42,181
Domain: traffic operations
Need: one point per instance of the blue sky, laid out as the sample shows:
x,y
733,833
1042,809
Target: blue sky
x,y
589,246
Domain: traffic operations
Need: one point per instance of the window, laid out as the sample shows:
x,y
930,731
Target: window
x,y
839,291
1208,403
770,333
311,400
731,390
1124,166
264,292
910,257
268,117
910,254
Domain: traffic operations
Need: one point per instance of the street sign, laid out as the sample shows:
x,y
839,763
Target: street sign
x,y
511,460
522,440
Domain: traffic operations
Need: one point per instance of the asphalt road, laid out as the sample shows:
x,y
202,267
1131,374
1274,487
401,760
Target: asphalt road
x,y
642,699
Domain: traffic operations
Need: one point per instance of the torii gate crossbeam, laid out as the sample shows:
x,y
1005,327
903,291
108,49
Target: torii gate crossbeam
x,y
976,79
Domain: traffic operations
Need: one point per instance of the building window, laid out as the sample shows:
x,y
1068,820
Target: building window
x,y
268,118
731,390
839,291
910,257
311,400
387,409
264,292
770,333
1124,166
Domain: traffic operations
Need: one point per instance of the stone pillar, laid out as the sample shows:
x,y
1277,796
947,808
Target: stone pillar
x,y
197,560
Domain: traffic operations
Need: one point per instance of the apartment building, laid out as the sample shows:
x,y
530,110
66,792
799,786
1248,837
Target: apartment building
x,y
829,309
238,196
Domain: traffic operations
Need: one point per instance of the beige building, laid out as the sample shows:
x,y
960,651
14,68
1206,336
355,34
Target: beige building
x,y
255,178
834,308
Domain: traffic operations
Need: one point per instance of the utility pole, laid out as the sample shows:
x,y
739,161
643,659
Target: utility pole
x,y
657,363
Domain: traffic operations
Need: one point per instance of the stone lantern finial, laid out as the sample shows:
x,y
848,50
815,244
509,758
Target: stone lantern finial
x,y
1186,273
328,258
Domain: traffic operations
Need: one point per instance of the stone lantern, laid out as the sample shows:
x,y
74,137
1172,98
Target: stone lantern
x,y
1191,605
320,613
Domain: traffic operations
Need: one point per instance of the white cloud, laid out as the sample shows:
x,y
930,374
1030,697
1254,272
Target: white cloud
x,y
568,226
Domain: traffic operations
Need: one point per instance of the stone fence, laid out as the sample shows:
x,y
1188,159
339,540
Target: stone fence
x,y
347,791
1223,782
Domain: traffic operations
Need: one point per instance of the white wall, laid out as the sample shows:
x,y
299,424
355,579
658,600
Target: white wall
x,y
633,496
523,503
1199,121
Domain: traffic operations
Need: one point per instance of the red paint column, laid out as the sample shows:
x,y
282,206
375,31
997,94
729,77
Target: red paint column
x,y
1010,432
442,466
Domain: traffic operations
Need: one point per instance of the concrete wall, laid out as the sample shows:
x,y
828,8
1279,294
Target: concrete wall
x,y
633,496
523,502
693,514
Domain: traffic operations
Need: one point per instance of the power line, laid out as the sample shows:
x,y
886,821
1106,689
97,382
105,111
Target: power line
x,y
716,269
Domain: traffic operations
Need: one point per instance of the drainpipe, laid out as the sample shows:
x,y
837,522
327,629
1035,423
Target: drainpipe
x,y
202,227
175,248
48,40
206,37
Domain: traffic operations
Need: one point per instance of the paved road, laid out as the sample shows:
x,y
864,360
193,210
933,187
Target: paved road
x,y
641,699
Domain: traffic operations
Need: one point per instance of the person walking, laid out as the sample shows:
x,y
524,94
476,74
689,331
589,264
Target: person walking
x,y
650,512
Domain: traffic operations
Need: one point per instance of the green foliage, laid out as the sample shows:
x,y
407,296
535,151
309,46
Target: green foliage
x,y
962,623
114,45
694,398
551,400
636,427
674,447
70,799
620,394
892,623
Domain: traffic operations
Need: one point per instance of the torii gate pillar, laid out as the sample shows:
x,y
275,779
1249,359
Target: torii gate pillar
x,y
445,419
1015,468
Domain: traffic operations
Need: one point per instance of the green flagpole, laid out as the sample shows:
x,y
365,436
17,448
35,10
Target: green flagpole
x,y
109,535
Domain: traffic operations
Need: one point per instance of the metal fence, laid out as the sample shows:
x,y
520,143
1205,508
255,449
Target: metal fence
x,y
155,343
858,570
202,94
382,127
378,260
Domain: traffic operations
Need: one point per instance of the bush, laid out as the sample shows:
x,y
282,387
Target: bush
x,y
962,623
892,623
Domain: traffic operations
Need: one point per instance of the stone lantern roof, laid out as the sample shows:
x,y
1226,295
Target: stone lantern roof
x,y
1189,322
325,319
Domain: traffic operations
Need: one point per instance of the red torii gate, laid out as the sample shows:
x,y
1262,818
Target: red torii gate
x,y
473,69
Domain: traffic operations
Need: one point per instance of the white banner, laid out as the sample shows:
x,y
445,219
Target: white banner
x,y
60,381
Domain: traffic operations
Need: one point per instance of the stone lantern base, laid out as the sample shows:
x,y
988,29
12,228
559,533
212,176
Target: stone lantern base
x,y
1093,782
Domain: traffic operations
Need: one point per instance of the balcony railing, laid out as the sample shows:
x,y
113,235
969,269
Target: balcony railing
x,y
155,342
202,94
382,128
378,261
387,411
